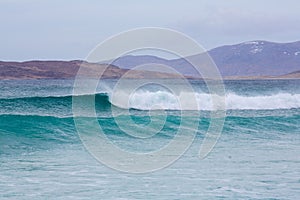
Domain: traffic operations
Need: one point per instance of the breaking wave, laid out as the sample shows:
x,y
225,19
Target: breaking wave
x,y
162,100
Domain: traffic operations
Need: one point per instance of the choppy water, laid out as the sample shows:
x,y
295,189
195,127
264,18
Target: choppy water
x,y
256,157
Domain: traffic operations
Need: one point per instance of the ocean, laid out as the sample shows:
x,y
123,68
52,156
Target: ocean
x,y
257,155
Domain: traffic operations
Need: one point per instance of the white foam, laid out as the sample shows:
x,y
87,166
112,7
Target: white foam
x,y
146,100
275,101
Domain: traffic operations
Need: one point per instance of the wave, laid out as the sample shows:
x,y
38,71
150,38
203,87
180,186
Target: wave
x,y
263,102
147,100
153,100
63,129
54,96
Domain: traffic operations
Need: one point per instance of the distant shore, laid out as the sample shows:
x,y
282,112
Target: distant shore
x,y
69,69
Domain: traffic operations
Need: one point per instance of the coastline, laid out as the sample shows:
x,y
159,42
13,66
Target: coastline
x,y
36,70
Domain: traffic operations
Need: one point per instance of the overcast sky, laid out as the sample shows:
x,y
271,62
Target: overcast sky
x,y
56,29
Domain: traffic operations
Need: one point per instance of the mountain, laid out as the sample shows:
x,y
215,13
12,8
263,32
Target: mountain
x,y
255,58
69,69
295,74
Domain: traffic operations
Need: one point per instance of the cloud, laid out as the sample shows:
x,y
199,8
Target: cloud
x,y
236,22
214,26
53,28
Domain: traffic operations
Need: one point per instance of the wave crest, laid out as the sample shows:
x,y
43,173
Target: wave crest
x,y
147,100
159,100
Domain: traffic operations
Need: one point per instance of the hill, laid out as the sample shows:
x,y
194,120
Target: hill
x,y
69,69
255,58
248,60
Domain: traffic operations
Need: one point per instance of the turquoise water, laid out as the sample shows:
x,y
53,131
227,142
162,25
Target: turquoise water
x,y
256,157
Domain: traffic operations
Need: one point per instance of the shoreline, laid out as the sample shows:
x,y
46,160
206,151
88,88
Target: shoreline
x,y
37,70
150,78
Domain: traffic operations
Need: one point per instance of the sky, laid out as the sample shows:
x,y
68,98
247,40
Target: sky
x,y
67,30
